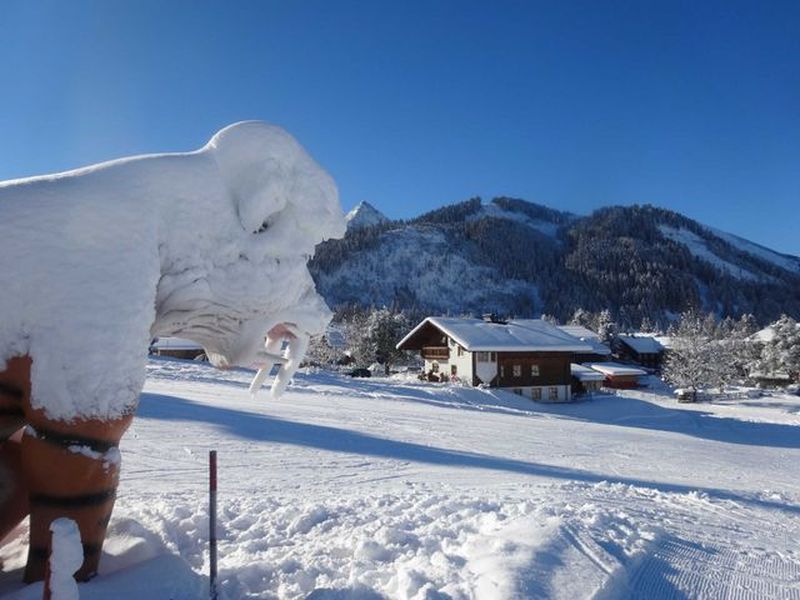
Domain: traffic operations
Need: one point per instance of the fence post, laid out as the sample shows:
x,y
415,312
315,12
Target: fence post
x,y
212,523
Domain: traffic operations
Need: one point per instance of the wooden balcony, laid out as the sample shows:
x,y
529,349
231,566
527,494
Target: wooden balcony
x,y
436,352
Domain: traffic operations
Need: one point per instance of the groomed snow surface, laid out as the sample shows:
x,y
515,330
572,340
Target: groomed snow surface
x,y
380,488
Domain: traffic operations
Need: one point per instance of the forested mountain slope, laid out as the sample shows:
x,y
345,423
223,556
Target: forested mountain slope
x,y
520,258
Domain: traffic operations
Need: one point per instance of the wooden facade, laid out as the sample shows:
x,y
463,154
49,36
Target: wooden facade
x,y
626,351
524,369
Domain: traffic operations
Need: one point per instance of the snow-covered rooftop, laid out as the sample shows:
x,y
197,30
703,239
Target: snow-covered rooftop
x,y
587,336
521,335
579,331
615,369
583,373
175,343
765,335
643,344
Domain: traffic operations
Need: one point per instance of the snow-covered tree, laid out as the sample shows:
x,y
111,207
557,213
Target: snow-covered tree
x,y
373,337
321,352
647,325
700,355
741,351
607,329
549,319
781,354
582,317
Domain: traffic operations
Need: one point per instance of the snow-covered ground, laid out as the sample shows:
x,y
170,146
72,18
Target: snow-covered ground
x,y
367,489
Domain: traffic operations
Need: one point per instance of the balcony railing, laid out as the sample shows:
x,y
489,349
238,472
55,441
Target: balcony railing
x,y
436,352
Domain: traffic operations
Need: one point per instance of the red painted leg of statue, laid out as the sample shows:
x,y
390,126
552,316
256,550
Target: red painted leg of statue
x,y
71,470
15,390
13,493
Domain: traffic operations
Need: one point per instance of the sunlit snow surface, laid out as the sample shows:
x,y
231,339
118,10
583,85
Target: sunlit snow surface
x,y
348,488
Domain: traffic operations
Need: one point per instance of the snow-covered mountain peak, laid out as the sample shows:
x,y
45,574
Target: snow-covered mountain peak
x,y
364,215
516,257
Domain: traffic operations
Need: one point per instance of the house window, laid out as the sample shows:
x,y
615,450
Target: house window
x,y
534,370
485,356
435,367
453,370
517,370
460,351
536,393
492,356
502,370
553,395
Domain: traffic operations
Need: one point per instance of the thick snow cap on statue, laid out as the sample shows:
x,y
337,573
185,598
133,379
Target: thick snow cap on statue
x,y
94,262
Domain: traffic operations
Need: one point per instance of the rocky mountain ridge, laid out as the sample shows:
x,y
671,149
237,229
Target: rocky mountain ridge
x,y
519,258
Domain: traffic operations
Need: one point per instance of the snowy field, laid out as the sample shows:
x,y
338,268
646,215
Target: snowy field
x,y
371,489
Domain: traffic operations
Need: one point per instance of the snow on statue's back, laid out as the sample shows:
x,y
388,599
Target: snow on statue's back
x,y
208,245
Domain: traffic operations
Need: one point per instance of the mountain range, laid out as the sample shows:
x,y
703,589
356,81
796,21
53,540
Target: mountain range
x,y
523,259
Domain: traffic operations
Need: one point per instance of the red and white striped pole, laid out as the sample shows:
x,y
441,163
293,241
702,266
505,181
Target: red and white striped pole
x,y
212,522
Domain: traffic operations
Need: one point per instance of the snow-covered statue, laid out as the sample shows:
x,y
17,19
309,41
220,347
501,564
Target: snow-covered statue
x,y
210,245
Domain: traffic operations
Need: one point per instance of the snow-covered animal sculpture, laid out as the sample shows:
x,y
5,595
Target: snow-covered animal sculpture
x,y
210,245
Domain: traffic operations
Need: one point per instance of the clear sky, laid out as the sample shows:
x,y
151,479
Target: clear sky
x,y
694,106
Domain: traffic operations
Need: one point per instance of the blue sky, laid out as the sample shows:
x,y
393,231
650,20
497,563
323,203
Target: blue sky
x,y
694,106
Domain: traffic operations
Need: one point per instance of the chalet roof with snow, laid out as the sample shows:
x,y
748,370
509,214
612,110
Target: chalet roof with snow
x,y
579,331
478,335
584,373
642,344
587,336
615,369
174,343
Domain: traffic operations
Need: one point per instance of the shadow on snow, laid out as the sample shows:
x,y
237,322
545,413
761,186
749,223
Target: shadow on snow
x,y
265,428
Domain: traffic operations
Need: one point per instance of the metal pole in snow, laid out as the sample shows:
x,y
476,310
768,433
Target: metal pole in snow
x,y
212,522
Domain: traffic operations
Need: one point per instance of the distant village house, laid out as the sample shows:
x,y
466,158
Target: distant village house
x,y
530,357
645,350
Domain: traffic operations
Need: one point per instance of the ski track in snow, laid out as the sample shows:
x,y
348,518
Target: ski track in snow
x,y
369,489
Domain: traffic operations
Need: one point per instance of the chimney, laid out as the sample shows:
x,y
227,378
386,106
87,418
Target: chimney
x,y
493,318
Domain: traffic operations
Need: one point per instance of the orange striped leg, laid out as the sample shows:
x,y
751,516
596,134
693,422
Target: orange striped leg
x,y
14,392
71,470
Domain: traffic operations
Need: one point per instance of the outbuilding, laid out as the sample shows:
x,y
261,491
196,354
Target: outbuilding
x,y
641,349
176,348
617,375
585,380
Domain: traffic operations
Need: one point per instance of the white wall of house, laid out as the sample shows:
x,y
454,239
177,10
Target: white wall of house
x,y
462,360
